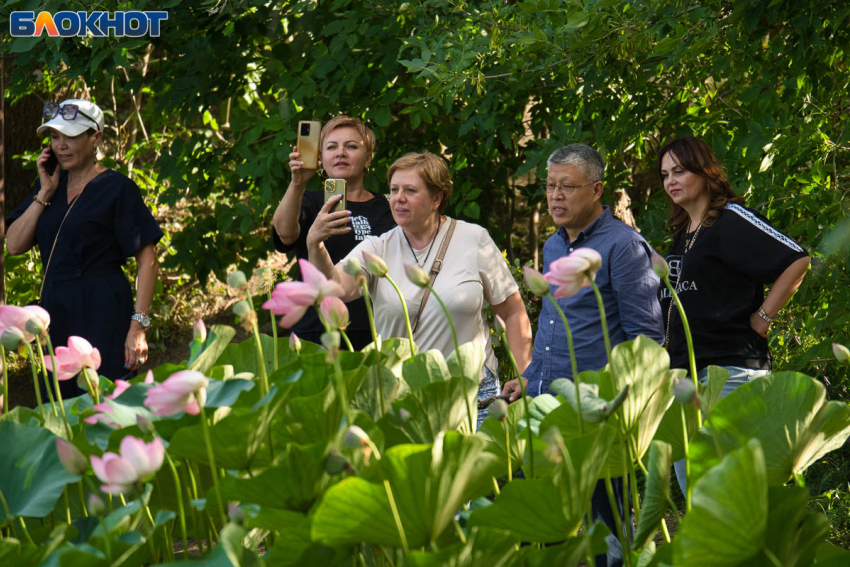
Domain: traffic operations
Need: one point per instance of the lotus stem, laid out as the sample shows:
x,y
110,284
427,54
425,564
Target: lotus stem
x,y
213,467
391,499
687,460
524,397
618,520
602,317
347,342
274,334
5,380
44,372
35,385
261,360
93,392
573,364
406,315
82,499
107,545
368,301
459,358
691,357
179,491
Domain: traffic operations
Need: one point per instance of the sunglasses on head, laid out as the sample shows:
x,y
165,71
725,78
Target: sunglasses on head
x,y
68,112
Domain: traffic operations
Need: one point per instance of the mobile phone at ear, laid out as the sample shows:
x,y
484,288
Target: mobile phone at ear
x,y
51,163
334,187
308,142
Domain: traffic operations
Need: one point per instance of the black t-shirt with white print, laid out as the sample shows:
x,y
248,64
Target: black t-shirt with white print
x,y
368,218
720,281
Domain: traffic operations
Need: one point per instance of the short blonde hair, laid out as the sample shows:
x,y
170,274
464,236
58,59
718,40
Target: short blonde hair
x,y
432,169
343,121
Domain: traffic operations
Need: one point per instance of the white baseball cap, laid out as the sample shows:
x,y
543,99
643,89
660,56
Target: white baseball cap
x,y
88,115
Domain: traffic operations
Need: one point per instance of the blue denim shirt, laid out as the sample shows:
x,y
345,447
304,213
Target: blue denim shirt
x,y
629,290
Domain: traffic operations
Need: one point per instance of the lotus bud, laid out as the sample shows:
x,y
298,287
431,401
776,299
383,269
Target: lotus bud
x,y
684,391
235,514
376,265
237,279
352,267
841,352
96,505
334,312
659,266
149,377
199,332
71,457
416,275
499,326
355,437
535,282
404,415
330,340
11,338
294,343
498,410
335,463
241,309
145,425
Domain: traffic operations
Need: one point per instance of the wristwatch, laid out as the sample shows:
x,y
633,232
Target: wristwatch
x,y
142,319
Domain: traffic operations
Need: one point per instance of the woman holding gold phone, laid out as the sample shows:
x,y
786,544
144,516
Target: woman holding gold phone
x,y
345,149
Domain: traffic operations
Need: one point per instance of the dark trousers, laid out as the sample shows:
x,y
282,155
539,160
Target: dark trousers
x,y
600,509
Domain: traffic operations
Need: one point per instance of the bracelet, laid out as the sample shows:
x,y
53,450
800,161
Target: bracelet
x,y
764,316
40,202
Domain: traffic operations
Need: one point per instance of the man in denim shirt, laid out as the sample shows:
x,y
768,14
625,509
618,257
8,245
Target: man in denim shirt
x,y
628,285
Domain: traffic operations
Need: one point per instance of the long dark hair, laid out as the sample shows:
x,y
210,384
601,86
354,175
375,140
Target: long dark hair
x,y
697,157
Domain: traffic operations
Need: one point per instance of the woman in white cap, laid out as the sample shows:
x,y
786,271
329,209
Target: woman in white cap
x,y
87,220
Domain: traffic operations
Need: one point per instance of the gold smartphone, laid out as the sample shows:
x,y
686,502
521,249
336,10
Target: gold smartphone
x,y
335,187
308,142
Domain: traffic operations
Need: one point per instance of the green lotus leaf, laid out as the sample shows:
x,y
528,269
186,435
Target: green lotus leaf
x,y
218,339
656,493
429,484
494,432
787,412
728,518
484,546
31,476
469,363
425,368
550,509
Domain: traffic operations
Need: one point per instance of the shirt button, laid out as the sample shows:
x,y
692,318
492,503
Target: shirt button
x,y
547,348
571,249
551,322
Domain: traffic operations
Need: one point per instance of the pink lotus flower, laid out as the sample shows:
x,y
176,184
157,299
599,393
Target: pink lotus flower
x,y
573,272
120,387
291,299
182,391
294,343
137,460
71,457
535,281
18,317
72,359
335,313
376,264
102,416
149,377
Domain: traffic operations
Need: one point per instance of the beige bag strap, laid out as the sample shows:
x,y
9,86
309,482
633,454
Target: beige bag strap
x,y
435,269
50,257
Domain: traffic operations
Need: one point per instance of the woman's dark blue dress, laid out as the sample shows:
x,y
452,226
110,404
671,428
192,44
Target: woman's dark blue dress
x,y
85,289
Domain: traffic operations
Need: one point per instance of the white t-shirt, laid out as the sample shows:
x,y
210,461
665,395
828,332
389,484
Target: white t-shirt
x,y
474,270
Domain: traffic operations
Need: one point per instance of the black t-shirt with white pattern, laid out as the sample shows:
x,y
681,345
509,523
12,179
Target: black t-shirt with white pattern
x,y
721,281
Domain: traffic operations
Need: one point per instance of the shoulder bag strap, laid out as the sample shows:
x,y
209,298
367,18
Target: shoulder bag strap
x,y
50,257
435,269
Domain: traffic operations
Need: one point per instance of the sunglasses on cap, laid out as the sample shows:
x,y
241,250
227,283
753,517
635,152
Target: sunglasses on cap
x,y
68,112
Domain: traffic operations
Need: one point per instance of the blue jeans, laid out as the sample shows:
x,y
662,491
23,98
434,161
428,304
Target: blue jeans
x,y
738,376
487,388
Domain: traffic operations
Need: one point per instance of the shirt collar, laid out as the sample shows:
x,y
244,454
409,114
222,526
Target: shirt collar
x,y
597,222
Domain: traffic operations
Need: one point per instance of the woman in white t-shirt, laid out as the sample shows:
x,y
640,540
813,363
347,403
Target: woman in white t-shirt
x,y
473,270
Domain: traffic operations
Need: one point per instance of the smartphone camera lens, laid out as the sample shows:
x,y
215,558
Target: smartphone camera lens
x,y
305,129
330,186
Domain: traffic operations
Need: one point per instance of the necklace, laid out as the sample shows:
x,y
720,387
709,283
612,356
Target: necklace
x,y
78,185
433,238
689,243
